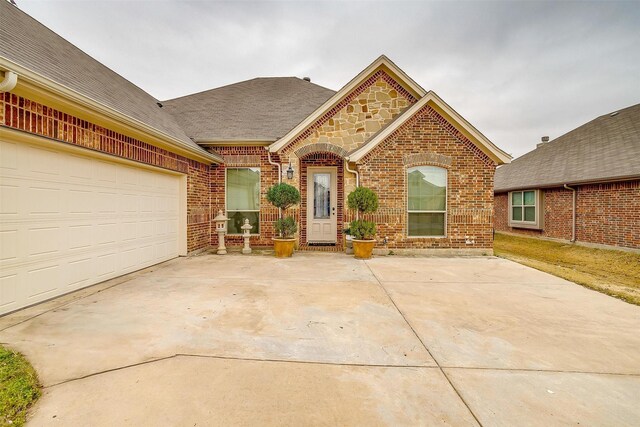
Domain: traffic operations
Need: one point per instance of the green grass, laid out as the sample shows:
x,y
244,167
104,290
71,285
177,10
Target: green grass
x,y
18,387
615,273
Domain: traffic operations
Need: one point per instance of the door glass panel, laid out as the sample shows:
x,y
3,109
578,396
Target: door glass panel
x,y
321,195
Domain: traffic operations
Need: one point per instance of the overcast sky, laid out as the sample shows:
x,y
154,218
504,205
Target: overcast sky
x,y
515,70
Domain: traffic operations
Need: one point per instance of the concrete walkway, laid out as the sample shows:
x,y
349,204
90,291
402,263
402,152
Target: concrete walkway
x,y
324,339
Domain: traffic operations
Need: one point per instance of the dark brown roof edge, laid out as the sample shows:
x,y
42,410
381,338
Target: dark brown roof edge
x,y
560,184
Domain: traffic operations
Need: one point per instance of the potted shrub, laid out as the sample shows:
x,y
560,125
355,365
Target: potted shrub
x,y
283,196
363,200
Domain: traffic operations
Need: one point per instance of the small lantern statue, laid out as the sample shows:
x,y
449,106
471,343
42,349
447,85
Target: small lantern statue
x,y
246,234
221,229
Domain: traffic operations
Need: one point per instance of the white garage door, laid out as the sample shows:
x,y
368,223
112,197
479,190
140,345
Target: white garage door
x,y
68,221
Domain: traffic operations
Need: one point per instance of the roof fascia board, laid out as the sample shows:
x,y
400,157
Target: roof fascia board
x,y
232,142
490,149
382,61
579,182
46,88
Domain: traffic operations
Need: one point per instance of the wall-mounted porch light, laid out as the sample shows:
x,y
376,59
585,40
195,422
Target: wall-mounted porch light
x,y
290,172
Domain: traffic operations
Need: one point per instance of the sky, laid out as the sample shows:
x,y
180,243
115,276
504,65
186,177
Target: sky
x,y
515,70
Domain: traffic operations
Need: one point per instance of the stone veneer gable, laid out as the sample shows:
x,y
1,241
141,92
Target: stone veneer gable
x,y
358,116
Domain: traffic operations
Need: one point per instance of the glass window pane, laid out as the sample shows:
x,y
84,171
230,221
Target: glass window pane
x,y
530,198
243,189
426,224
321,195
427,188
516,198
530,213
516,215
236,220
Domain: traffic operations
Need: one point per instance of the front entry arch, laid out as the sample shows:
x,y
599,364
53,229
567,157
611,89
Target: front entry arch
x,y
322,201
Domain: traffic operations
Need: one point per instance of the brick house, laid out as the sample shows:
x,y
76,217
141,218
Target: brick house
x,y
99,178
583,186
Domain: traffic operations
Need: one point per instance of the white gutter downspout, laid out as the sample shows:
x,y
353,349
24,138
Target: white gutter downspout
x,y
9,82
275,164
279,174
346,165
355,172
573,213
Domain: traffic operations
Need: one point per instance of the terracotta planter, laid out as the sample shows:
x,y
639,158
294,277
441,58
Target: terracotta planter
x,y
362,249
283,247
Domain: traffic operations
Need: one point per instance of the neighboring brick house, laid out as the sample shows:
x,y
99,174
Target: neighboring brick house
x,y
99,179
583,186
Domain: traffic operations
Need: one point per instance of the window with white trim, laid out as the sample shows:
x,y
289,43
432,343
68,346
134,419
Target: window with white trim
x,y
427,201
524,209
243,199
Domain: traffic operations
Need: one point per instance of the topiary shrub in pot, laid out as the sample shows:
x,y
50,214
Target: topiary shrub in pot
x,y
363,200
283,196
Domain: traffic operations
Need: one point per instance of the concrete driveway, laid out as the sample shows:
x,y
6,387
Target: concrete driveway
x,y
323,339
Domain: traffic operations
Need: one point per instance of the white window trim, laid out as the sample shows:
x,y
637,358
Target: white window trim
x,y
535,225
446,202
226,205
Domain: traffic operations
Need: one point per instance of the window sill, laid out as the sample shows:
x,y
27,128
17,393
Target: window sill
x,y
525,225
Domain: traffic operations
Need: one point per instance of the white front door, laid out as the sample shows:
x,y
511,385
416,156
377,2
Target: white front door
x,y
321,205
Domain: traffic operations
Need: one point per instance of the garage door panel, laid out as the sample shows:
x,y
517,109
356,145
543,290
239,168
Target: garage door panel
x,y
8,156
10,205
44,162
44,281
80,236
107,173
41,200
80,169
79,272
69,221
8,292
43,240
80,201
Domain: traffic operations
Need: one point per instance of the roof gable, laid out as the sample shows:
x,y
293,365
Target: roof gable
x,y
382,64
455,119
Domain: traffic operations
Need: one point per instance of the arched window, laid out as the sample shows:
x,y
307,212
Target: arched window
x,y
427,201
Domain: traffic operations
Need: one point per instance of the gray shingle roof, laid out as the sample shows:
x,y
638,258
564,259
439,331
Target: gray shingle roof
x,y
28,43
606,148
258,109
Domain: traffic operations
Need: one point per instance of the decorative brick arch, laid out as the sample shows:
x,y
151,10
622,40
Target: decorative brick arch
x,y
427,158
321,147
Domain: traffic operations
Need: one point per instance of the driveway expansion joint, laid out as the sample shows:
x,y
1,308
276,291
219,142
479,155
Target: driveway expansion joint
x,y
551,371
424,345
242,359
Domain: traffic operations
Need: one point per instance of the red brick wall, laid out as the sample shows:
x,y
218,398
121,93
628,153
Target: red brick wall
x,y
23,114
246,157
428,139
607,214
322,159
